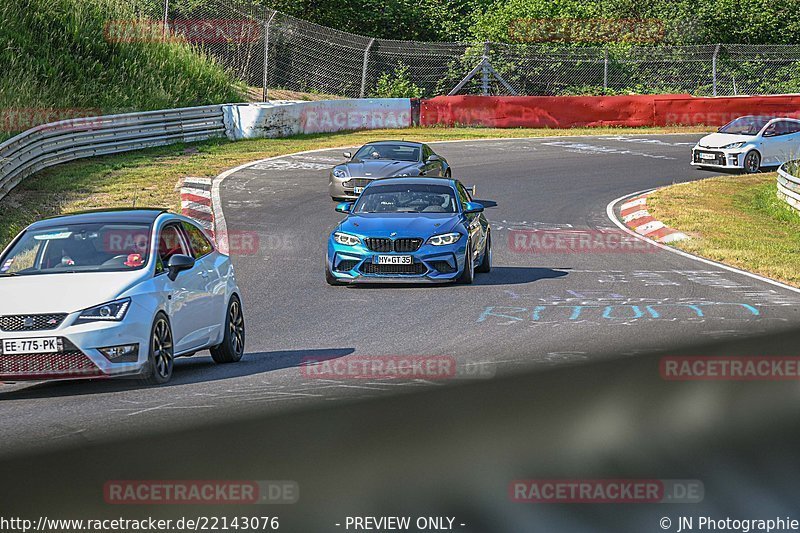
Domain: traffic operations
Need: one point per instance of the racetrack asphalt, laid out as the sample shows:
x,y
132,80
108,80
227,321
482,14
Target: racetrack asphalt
x,y
536,308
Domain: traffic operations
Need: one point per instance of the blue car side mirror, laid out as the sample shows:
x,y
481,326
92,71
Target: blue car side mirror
x,y
344,207
473,207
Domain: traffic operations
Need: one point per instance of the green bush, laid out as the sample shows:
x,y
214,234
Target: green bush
x,y
683,21
397,84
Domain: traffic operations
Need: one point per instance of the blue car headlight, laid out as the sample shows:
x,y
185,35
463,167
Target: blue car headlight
x,y
339,173
108,312
444,239
346,239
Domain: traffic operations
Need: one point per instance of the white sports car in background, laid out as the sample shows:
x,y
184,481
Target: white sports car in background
x,y
115,293
749,143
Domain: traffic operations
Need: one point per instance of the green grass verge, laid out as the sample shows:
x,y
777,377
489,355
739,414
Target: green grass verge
x,y
150,176
736,220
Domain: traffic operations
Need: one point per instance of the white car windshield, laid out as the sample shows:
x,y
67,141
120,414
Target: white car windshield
x,y
418,198
745,125
392,152
109,247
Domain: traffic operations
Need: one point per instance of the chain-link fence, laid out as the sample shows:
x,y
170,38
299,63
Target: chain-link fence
x,y
267,50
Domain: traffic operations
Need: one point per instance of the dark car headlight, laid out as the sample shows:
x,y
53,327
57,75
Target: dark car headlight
x,y
444,239
346,239
339,173
107,312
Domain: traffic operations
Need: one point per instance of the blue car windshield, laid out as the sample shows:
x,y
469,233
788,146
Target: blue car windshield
x,y
745,125
398,198
391,152
111,247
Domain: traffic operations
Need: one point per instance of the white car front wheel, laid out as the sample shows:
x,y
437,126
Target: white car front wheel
x,y
752,162
161,358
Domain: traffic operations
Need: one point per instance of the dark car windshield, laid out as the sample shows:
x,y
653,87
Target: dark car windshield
x,y
392,152
107,247
745,125
398,198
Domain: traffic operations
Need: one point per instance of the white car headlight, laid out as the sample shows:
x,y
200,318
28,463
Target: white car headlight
x,y
108,312
339,173
346,239
444,239
734,145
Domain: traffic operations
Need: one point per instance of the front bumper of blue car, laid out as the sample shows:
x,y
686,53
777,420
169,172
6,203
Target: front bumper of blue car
x,y
429,264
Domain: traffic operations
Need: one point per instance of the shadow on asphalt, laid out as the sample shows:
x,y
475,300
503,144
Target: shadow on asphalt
x,y
518,275
498,276
195,369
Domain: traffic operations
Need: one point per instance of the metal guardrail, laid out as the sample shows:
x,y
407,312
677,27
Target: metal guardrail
x,y
789,185
58,142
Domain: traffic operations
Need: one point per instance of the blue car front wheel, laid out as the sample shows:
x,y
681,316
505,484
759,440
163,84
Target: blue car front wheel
x,y
468,275
486,261
330,278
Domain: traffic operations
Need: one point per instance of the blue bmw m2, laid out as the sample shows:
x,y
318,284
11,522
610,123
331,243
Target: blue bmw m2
x,y
410,230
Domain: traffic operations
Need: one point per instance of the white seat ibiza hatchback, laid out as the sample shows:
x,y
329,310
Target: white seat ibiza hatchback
x,y
115,293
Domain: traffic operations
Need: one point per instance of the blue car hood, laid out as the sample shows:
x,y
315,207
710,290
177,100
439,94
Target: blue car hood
x,y
404,224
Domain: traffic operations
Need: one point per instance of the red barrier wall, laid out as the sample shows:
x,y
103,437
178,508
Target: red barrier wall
x,y
574,111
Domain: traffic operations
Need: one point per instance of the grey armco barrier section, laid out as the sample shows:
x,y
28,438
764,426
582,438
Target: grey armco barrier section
x,y
789,186
67,140
58,142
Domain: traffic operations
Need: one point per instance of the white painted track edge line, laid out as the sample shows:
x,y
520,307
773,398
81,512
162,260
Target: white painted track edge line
x,y
623,227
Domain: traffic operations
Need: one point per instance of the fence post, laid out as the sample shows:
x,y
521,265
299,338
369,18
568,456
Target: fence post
x,y
485,77
605,71
364,68
714,68
264,89
166,19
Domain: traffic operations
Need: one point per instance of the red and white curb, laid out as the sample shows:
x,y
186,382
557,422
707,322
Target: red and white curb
x,y
635,215
196,202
